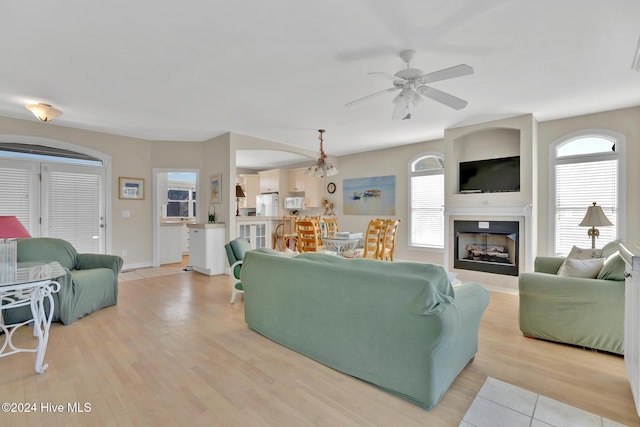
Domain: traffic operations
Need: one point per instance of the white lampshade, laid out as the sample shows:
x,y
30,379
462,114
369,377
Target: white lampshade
x,y
595,217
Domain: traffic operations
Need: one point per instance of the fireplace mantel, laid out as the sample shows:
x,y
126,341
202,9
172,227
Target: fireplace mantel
x,y
521,213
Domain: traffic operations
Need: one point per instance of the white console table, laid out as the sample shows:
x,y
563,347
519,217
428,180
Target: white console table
x,y
31,293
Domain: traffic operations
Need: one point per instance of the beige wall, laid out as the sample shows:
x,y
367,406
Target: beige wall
x,y
130,157
624,121
391,161
394,161
133,157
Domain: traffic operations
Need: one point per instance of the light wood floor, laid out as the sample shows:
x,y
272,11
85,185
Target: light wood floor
x,y
174,352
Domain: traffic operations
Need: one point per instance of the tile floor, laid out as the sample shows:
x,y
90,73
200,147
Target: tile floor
x,y
501,404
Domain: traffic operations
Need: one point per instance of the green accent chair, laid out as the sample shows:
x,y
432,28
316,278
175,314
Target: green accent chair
x,y
90,282
578,311
236,249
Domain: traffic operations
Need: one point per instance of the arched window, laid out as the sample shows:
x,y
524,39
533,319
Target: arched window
x,y
585,168
426,199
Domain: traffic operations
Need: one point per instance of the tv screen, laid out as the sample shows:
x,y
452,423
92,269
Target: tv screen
x,y
490,176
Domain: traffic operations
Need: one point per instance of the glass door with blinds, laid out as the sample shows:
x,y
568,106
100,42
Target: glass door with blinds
x,y
72,200
61,200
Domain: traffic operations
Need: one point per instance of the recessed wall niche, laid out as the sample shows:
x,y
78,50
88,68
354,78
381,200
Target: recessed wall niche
x,y
487,144
503,138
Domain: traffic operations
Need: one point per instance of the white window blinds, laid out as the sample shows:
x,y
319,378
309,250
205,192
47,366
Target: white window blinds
x,y
73,206
578,185
427,209
17,182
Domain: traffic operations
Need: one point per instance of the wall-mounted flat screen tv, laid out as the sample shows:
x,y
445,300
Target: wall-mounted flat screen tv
x,y
490,176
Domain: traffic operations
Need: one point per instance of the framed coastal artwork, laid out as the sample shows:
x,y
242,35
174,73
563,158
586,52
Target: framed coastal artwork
x,y
369,196
131,188
216,188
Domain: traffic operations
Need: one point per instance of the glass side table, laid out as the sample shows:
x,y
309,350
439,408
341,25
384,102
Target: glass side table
x,y
33,294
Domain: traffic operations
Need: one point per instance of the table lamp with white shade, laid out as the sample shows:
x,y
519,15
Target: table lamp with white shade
x,y
10,228
595,217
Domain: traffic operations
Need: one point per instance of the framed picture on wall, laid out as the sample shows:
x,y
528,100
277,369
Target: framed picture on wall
x,y
216,188
131,188
369,196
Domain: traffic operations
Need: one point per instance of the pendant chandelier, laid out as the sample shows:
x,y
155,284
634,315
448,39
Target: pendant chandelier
x,y
321,168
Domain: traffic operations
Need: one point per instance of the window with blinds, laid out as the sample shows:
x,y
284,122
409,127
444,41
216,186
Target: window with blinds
x,y
586,171
17,180
426,187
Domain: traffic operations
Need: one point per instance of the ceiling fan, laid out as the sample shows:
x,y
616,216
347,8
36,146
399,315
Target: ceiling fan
x,y
412,84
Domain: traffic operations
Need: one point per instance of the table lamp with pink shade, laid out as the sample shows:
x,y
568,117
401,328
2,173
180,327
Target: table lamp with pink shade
x,y
10,228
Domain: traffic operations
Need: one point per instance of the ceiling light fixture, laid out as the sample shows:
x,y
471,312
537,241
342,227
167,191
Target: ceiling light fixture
x,y
321,168
44,112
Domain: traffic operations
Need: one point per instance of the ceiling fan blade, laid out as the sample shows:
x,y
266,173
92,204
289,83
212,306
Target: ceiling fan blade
x,y
373,95
387,76
443,97
447,73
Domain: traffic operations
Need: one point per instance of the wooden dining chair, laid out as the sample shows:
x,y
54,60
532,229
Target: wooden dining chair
x,y
388,239
286,234
372,239
331,226
308,236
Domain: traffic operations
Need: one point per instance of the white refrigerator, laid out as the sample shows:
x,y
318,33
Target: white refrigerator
x,y
267,204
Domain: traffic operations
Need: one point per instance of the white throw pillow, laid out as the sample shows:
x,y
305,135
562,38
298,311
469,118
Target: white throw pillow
x,y
585,268
579,253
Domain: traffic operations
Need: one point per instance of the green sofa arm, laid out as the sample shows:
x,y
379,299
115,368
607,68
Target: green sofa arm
x,y
89,261
548,264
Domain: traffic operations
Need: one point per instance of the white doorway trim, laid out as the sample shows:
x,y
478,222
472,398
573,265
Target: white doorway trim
x,y
156,206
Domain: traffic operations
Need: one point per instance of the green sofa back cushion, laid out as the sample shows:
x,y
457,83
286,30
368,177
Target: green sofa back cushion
x,y
613,268
47,249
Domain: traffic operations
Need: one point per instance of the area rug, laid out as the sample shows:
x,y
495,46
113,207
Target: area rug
x,y
501,404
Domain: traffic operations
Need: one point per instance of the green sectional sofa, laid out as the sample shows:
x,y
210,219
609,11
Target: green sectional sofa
x,y
397,325
573,310
90,282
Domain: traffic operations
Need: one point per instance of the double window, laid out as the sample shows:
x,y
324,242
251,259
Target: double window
x,y
426,198
585,168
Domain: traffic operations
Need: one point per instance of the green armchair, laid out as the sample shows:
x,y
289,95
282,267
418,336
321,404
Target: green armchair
x,y
236,249
90,282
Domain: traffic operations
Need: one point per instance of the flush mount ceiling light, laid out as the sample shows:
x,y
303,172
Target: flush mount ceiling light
x,y
44,112
321,168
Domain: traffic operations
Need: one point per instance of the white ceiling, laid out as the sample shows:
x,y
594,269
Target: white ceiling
x,y
281,69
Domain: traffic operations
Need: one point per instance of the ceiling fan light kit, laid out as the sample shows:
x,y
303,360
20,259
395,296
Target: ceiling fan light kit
x,y
412,83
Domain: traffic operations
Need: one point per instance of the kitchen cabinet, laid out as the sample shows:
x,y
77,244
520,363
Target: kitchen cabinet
x,y
313,192
312,187
256,232
270,181
206,248
296,180
250,184
171,243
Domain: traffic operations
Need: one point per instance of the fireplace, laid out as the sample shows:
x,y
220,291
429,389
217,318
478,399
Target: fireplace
x,y
489,246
